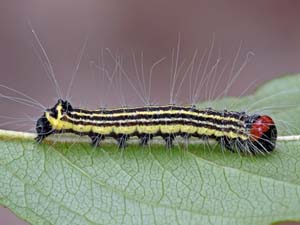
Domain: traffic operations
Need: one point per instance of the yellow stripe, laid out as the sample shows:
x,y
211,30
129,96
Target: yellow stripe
x,y
152,129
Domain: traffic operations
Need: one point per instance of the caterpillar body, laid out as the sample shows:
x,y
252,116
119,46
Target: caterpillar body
x,y
236,131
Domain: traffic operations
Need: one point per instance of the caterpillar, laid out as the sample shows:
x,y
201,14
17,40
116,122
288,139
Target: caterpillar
x,y
236,131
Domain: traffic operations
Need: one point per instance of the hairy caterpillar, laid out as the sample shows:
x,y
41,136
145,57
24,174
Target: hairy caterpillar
x,y
234,130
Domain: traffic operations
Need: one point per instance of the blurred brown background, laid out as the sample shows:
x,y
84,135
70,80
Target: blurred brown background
x,y
270,29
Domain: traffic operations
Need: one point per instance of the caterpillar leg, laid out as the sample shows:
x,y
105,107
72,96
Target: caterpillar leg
x,y
144,139
121,139
169,140
39,138
229,144
186,138
96,139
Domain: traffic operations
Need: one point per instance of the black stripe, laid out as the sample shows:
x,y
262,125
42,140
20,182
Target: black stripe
x,y
124,119
137,109
208,111
162,116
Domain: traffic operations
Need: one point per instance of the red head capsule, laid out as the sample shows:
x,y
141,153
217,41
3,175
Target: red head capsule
x,y
260,126
263,133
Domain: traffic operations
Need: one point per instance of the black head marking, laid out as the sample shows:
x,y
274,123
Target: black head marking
x,y
66,106
43,129
43,126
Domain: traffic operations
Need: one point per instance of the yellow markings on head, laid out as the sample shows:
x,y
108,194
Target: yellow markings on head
x,y
56,122
59,111
53,121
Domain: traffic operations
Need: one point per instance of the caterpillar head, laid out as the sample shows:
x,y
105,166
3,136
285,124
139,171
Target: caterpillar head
x,y
48,123
263,134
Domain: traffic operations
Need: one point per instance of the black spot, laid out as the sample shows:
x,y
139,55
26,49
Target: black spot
x,y
43,129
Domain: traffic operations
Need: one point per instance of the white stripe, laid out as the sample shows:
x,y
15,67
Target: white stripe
x,y
161,120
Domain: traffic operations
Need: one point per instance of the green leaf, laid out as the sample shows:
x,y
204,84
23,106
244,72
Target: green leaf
x,y
65,183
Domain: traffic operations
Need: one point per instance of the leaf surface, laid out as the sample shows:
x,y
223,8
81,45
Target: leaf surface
x,y
65,183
